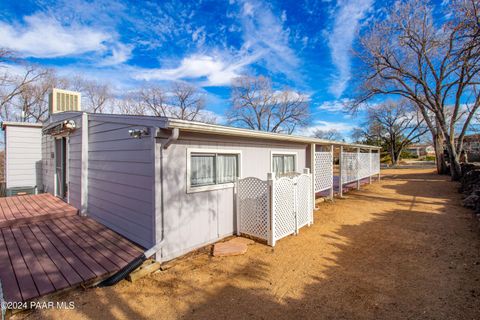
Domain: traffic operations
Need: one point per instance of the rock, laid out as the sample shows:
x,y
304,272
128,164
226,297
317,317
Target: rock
x,y
471,201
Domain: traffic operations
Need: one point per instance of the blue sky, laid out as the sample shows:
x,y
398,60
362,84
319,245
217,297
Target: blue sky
x,y
301,44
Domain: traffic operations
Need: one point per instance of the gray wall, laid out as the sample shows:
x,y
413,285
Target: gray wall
x,y
23,157
74,156
192,220
120,180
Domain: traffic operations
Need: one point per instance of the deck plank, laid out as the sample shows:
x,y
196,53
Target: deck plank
x,y
25,281
92,249
55,254
108,240
45,247
118,239
41,279
93,242
96,268
9,281
53,273
67,252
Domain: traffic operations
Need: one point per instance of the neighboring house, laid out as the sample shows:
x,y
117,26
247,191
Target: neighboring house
x,y
23,156
156,178
420,150
471,145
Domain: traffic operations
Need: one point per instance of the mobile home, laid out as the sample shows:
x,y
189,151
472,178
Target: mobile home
x,y
156,178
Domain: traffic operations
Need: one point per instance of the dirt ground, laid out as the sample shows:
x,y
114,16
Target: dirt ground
x,y
403,248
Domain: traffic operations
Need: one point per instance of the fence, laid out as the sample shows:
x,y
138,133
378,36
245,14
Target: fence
x,y
356,166
275,208
323,171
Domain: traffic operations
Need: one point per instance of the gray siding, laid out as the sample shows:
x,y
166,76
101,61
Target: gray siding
x,y
120,180
23,156
192,220
74,157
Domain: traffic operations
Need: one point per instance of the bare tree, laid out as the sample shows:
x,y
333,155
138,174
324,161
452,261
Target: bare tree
x,y
12,84
394,125
434,64
154,99
187,103
96,96
33,98
332,134
255,105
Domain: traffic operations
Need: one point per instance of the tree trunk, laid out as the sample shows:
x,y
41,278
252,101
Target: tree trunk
x,y
439,156
455,168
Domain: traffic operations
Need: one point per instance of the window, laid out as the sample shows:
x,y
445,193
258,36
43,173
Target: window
x,y
283,163
211,170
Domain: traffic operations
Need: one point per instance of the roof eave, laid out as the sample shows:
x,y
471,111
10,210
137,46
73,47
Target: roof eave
x,y
239,132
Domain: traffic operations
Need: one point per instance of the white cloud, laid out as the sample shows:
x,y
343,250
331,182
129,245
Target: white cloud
x,y
342,127
264,32
348,16
248,9
218,70
120,53
43,36
335,105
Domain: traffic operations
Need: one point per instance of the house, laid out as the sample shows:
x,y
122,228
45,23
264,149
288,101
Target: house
x,y
23,157
155,178
420,150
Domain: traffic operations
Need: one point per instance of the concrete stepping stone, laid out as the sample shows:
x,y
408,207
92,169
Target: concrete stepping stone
x,y
232,247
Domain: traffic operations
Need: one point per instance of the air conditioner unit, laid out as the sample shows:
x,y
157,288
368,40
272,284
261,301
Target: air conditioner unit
x,y
64,100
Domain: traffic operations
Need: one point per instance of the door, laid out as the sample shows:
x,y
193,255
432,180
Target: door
x,y
61,168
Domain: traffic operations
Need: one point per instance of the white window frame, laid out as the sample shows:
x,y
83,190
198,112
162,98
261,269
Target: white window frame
x,y
280,153
192,189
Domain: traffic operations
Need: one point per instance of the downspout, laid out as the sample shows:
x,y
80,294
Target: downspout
x,y
2,302
173,137
137,262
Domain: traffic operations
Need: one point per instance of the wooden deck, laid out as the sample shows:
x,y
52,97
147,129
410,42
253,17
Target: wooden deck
x,y
39,257
15,211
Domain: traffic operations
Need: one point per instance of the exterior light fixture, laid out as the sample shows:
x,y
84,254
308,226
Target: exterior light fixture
x,y
139,133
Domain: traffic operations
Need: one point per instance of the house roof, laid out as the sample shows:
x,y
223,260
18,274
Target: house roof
x,y
191,126
20,124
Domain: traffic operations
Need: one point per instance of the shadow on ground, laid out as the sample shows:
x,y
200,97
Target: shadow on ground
x,y
401,249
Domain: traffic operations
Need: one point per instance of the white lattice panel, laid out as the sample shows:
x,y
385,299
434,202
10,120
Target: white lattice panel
x,y
304,202
375,160
253,199
364,165
284,204
323,171
349,167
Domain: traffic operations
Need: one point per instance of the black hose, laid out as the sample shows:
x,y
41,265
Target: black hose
x,y
125,271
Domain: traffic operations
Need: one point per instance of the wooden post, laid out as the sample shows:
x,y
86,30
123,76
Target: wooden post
x,y
340,183
378,151
358,168
331,173
370,166
271,211
313,164
312,194
237,206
